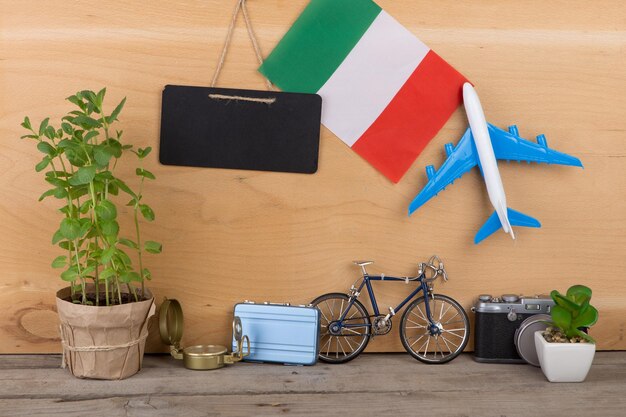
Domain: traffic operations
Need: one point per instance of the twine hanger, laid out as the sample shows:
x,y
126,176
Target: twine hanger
x,y
241,5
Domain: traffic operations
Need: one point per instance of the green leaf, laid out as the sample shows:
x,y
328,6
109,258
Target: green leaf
x,y
116,111
84,175
100,97
29,137
146,212
43,126
26,123
128,242
110,228
85,273
98,186
59,262
153,247
130,276
113,188
67,245
76,156
65,143
46,148
561,317
102,153
67,128
147,274
142,153
77,100
107,254
86,122
57,182
123,258
43,164
107,273
90,135
88,95
584,335
71,274
145,173
579,293
78,191
105,175
57,174
57,237
115,147
122,185
85,226
564,302
66,209
586,319
106,210
60,193
50,132
84,208
70,228
48,193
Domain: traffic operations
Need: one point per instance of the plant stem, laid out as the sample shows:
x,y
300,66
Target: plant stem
x,y
139,250
119,292
82,280
84,291
106,291
97,279
131,290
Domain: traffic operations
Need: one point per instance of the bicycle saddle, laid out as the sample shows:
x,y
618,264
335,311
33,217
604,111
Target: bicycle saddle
x,y
363,263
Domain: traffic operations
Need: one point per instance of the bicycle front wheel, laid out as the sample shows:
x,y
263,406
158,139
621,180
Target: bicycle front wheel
x,y
438,344
351,338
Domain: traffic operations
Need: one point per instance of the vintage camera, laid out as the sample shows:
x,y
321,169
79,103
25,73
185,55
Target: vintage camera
x,y
501,323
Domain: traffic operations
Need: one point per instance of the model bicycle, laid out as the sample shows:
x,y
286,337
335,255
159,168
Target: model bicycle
x,y
434,328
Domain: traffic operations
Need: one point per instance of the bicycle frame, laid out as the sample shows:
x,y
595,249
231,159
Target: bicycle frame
x,y
367,282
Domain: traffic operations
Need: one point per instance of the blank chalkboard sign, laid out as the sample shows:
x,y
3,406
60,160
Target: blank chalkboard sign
x,y
240,129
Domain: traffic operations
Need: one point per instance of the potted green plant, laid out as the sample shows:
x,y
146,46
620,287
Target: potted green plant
x,y
564,349
105,309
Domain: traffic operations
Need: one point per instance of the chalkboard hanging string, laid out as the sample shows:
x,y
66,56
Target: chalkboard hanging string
x,y
241,4
268,100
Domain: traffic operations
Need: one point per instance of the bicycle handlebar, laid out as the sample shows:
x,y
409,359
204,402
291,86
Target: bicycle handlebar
x,y
437,269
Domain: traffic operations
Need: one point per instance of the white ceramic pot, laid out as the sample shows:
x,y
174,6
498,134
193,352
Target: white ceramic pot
x,y
564,362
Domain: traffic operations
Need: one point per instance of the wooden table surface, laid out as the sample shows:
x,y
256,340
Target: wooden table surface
x,y
371,385
553,67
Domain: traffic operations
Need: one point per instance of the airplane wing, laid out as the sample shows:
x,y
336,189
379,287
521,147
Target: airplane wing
x,y
510,146
461,159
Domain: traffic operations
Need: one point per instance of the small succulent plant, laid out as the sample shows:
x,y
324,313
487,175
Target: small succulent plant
x,y
573,312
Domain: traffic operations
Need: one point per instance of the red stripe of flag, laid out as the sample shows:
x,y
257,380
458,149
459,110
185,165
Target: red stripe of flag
x,y
415,115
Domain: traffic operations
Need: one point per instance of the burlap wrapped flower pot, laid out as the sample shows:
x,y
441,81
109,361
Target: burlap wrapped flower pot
x,y
103,342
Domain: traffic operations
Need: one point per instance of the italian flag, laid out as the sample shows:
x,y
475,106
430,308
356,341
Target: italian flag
x,y
384,92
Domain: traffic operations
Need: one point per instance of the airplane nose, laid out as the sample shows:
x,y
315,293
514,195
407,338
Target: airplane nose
x,y
467,87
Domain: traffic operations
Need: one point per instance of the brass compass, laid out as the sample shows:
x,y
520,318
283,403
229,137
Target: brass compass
x,y
198,357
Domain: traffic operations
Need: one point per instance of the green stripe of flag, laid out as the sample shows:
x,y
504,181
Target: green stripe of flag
x,y
317,43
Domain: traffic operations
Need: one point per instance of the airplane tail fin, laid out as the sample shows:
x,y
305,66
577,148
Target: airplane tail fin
x,y
493,224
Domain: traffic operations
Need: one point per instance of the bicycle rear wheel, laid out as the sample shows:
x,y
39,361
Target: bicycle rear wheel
x,y
346,344
442,343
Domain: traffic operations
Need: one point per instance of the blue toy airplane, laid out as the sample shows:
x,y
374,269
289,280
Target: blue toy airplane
x,y
480,146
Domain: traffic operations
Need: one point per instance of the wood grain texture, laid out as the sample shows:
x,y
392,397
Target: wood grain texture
x,y
374,384
551,67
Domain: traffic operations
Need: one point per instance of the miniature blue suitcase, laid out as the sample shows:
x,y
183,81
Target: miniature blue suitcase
x,y
280,332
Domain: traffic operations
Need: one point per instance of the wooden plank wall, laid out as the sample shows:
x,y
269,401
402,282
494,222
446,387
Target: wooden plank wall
x,y
552,67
